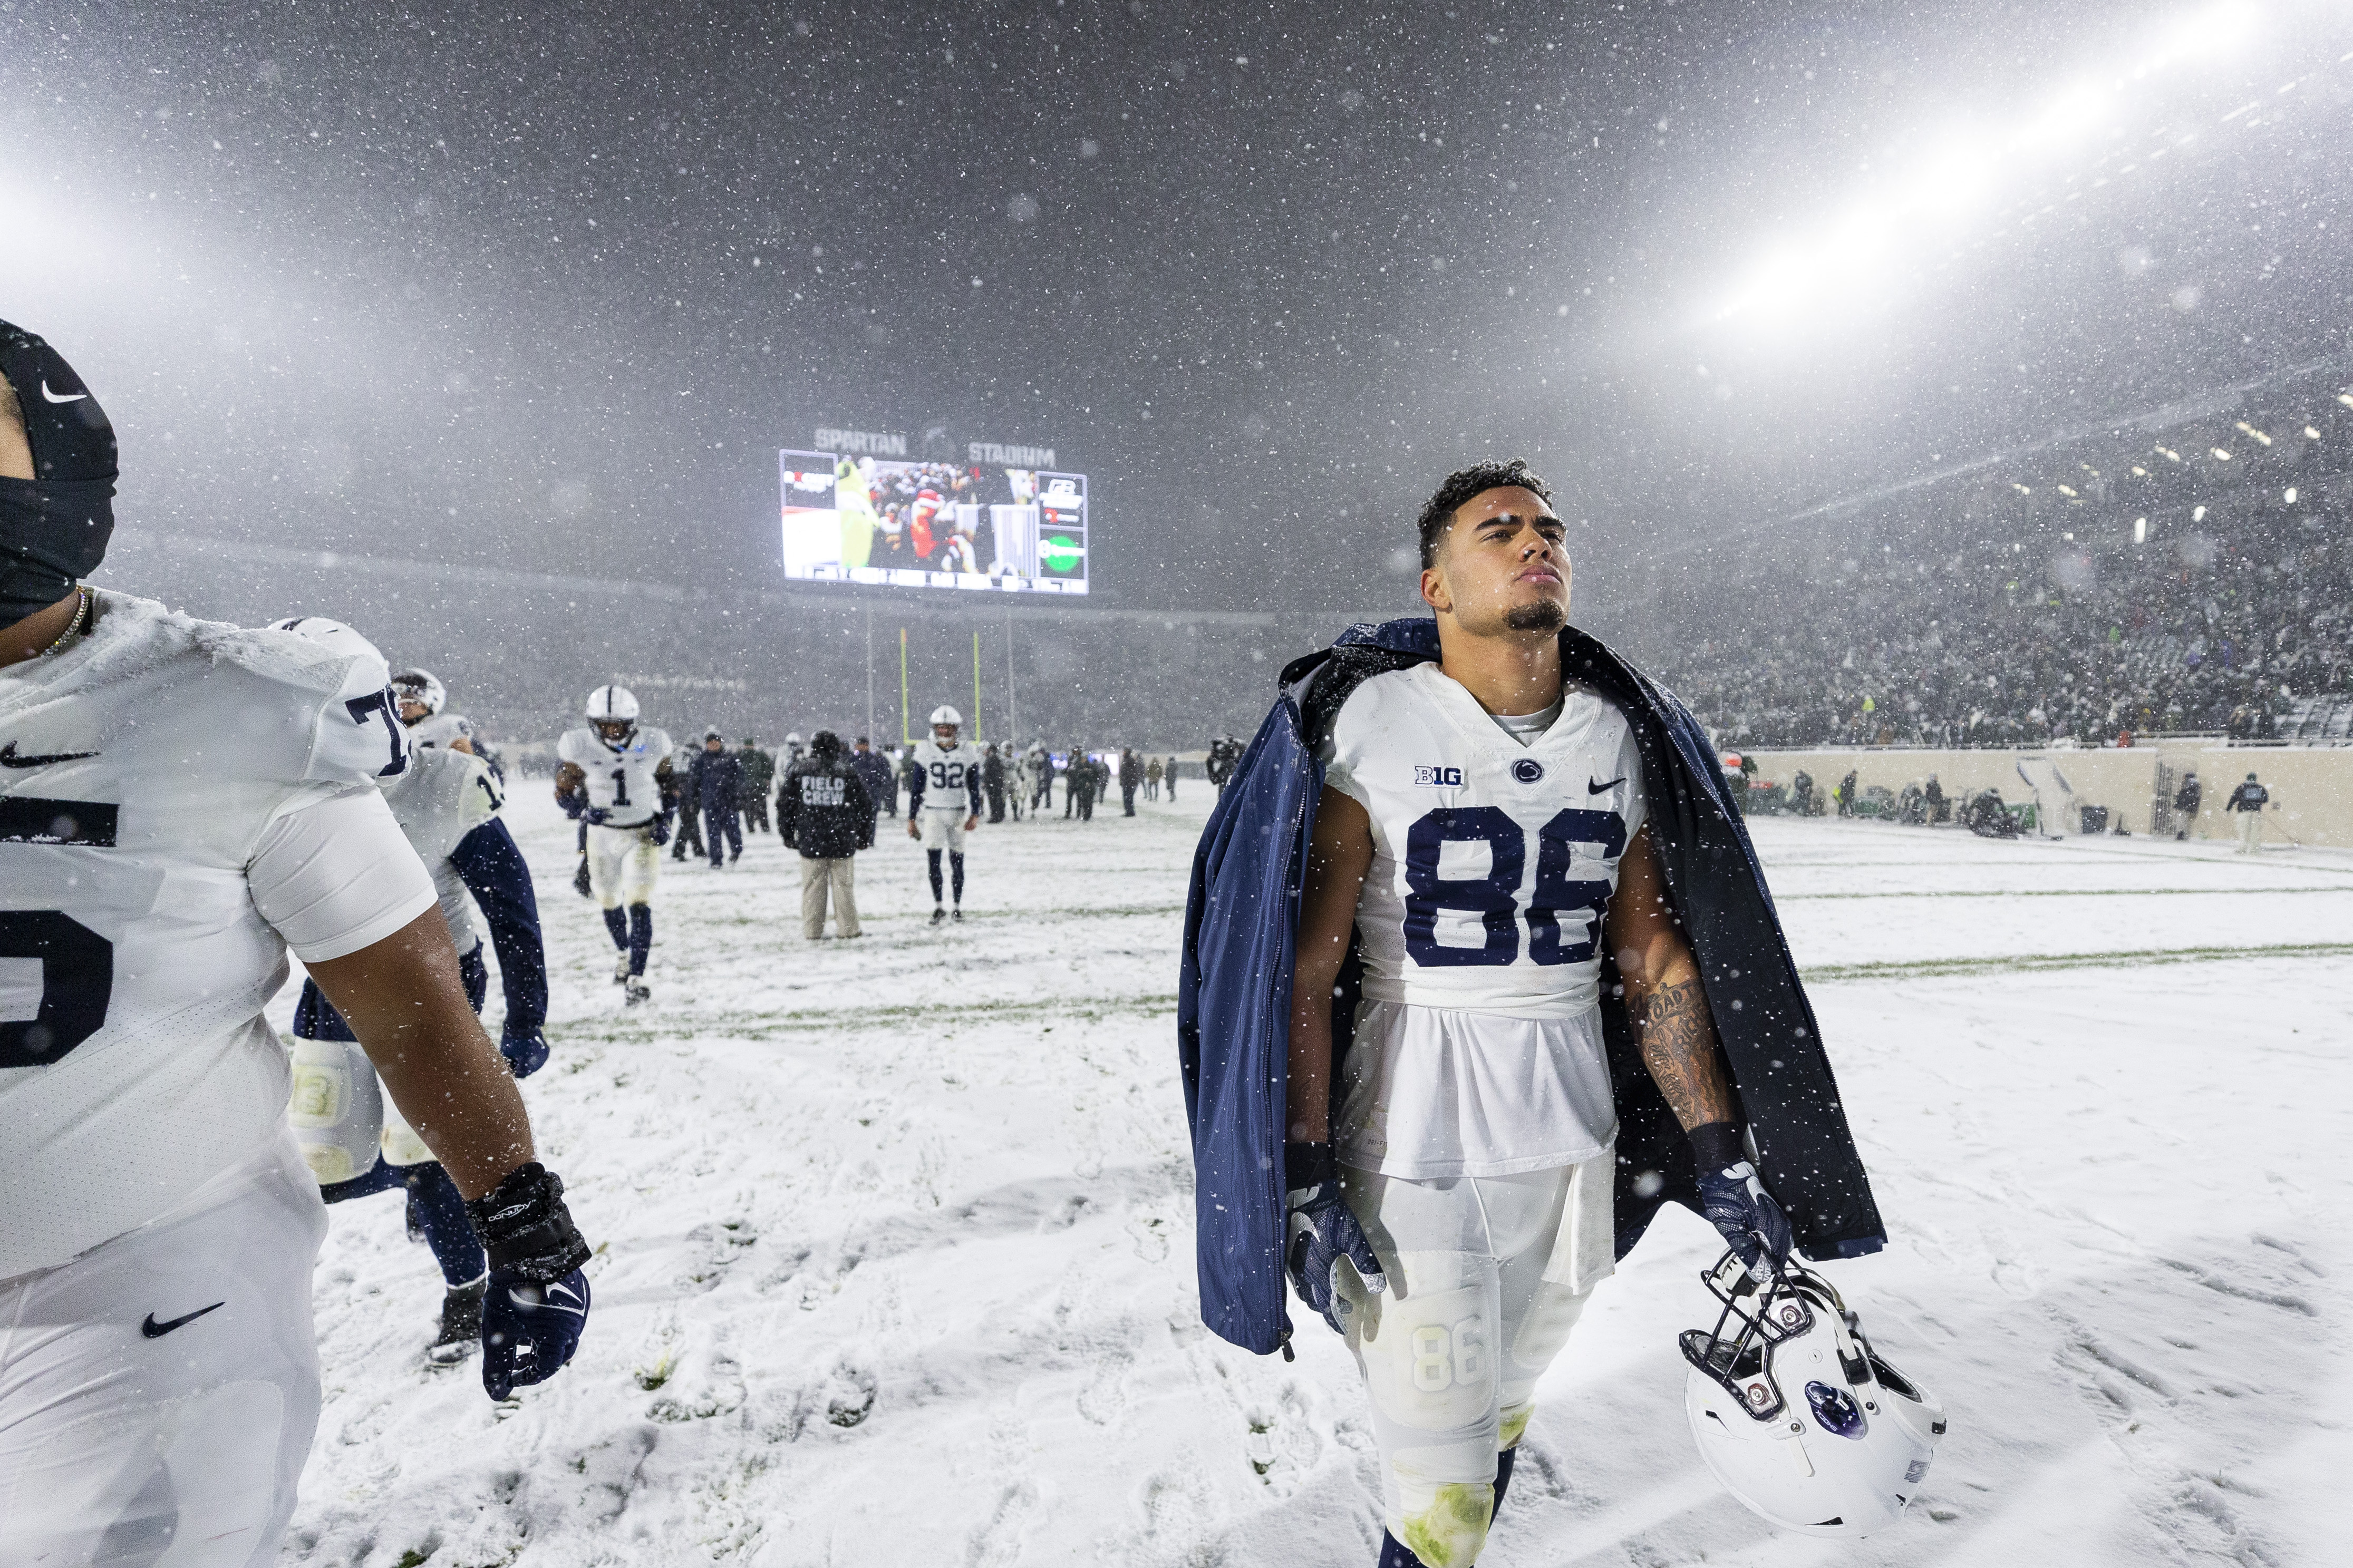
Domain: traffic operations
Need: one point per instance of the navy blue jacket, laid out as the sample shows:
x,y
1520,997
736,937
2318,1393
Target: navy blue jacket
x,y
1233,997
718,780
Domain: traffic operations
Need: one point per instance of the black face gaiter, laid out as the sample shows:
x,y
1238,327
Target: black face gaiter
x,y
54,527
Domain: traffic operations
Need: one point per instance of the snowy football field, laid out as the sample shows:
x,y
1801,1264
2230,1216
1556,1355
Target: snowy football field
x,y
894,1256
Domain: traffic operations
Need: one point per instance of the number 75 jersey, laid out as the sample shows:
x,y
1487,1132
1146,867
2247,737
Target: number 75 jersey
x,y
1493,863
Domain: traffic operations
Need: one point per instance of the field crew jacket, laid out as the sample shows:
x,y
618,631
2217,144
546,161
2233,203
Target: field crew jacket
x,y
823,811
1233,999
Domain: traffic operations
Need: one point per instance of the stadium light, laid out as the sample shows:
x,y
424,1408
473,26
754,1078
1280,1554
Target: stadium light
x,y
1964,167
2289,496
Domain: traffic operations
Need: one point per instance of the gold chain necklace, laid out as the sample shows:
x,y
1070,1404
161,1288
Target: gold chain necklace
x,y
73,628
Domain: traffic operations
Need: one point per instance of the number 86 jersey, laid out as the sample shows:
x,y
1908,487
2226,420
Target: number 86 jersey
x,y
1493,862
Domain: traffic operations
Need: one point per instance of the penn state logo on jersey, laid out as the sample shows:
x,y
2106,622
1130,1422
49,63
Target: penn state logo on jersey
x,y
1493,862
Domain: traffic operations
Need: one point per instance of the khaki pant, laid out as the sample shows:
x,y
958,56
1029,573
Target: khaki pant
x,y
2251,831
817,876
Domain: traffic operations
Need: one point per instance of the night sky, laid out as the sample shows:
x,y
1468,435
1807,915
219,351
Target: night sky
x,y
544,289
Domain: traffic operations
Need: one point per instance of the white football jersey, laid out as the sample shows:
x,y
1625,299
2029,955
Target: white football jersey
x,y
1492,862
621,782
438,799
149,768
948,773
440,729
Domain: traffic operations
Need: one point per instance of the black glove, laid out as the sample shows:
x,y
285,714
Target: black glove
x,y
1736,1201
537,1303
659,830
574,803
1324,1231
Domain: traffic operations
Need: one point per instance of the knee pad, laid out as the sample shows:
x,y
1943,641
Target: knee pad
x,y
401,1144
337,1109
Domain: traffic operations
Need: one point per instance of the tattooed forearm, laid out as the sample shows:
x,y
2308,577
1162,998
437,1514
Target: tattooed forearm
x,y
1679,1048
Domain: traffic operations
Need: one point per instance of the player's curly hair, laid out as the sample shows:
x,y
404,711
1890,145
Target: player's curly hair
x,y
1463,484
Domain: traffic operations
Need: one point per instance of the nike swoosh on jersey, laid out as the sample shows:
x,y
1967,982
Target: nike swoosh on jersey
x,y
153,1330
53,397
1592,788
10,759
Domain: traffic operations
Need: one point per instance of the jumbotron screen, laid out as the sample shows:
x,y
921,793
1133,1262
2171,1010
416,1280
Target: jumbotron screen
x,y
856,518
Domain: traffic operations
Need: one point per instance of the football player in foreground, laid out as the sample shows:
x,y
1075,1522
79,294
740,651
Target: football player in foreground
x,y
943,801
183,803
616,778
1508,825
447,802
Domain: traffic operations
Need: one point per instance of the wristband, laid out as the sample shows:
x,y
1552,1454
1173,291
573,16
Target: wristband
x,y
524,1227
1308,1165
1716,1145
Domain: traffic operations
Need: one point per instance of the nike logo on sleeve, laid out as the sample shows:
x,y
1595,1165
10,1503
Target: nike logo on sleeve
x,y
1592,788
155,1330
53,397
10,759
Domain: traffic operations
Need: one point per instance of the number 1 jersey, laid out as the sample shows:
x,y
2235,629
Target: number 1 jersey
x,y
622,784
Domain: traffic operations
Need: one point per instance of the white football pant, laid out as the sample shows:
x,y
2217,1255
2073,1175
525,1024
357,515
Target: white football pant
x,y
1486,1277
158,1393
622,865
944,829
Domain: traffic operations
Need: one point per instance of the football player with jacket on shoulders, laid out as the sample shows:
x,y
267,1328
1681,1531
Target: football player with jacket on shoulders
x,y
185,802
1483,833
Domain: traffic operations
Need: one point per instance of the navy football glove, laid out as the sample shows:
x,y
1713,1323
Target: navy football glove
x,y
1324,1232
573,804
1736,1201
529,1329
525,1054
659,830
537,1303
595,816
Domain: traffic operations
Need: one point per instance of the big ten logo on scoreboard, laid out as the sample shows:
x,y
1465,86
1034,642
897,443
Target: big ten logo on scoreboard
x,y
1004,518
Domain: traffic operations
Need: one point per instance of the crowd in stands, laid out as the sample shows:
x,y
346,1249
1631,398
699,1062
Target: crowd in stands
x,y
1992,643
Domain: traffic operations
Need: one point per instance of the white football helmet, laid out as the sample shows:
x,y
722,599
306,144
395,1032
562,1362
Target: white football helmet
x,y
1796,1414
946,718
422,687
613,714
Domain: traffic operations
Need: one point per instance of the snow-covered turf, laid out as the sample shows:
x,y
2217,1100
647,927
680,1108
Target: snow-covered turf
x,y
895,1254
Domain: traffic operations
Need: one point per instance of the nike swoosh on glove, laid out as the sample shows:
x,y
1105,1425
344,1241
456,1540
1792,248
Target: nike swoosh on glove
x,y
525,1054
1324,1231
538,1298
1745,1215
529,1329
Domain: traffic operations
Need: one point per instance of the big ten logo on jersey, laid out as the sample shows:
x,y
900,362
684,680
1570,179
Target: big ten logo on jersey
x,y
1438,777
1488,834
822,789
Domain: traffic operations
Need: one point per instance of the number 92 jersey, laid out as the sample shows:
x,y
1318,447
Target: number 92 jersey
x,y
1492,862
621,784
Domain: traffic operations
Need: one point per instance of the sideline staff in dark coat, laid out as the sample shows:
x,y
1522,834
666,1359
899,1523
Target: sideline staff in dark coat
x,y
759,773
874,772
823,811
714,782
992,781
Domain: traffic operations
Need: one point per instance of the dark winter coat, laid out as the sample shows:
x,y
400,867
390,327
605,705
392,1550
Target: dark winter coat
x,y
2248,797
759,773
1233,997
715,780
2186,799
992,774
873,769
823,810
